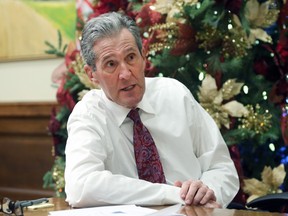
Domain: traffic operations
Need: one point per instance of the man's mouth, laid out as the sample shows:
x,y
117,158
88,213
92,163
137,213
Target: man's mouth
x,y
128,88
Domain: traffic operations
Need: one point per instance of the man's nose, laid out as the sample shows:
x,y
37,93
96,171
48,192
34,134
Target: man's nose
x,y
125,71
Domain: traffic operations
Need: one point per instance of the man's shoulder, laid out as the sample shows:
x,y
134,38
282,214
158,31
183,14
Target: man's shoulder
x,y
167,92
160,89
92,95
164,84
91,101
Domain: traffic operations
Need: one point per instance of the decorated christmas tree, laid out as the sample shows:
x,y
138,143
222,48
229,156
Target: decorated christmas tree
x,y
232,55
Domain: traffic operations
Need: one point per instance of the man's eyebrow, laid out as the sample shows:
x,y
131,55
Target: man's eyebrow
x,y
106,57
131,49
126,50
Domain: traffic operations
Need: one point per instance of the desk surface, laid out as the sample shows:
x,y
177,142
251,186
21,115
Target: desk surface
x,y
60,204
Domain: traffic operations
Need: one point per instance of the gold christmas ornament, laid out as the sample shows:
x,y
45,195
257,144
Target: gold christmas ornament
x,y
213,100
256,120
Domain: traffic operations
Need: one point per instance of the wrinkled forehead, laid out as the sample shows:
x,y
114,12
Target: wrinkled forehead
x,y
122,40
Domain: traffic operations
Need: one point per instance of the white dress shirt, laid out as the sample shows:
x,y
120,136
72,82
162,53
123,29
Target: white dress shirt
x,y
100,163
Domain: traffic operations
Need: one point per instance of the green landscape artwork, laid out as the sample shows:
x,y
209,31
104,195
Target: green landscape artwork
x,y
25,26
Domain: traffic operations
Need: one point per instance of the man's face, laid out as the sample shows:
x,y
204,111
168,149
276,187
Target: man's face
x,y
120,69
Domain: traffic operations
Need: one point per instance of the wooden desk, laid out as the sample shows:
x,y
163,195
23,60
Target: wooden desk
x,y
60,204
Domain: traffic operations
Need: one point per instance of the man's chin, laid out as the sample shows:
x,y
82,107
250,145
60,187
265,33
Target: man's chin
x,y
130,104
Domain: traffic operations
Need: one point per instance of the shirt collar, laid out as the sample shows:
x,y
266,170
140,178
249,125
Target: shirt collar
x,y
120,112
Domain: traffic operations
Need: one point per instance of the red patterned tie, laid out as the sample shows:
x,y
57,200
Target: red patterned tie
x,y
147,158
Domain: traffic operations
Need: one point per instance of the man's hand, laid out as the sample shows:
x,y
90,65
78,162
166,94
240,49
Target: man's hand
x,y
194,192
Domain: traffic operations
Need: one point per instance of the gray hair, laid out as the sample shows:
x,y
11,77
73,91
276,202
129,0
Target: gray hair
x,y
105,25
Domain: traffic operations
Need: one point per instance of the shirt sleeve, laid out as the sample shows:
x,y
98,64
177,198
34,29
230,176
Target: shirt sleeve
x,y
218,169
88,183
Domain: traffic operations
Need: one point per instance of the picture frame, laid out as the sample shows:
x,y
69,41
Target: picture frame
x,y
31,29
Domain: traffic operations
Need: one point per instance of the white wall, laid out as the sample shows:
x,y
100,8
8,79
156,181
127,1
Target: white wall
x,y
28,81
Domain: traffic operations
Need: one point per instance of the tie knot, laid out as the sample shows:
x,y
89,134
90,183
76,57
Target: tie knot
x,y
134,114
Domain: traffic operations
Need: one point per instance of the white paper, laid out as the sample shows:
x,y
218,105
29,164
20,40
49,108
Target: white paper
x,y
119,210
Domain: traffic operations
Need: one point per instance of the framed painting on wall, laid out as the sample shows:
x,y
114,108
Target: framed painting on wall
x,y
25,26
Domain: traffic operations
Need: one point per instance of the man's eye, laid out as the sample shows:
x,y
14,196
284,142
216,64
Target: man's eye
x,y
131,57
110,64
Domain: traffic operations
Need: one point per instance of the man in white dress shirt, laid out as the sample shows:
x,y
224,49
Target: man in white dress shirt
x,y
100,161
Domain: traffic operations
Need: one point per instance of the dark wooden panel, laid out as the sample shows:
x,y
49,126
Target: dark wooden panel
x,y
23,125
25,157
26,109
25,149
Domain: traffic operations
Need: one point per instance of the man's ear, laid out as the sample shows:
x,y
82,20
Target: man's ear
x,y
91,74
88,71
144,53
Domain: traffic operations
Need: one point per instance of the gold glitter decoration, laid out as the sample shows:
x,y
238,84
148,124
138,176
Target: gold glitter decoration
x,y
165,35
58,176
232,42
256,120
209,38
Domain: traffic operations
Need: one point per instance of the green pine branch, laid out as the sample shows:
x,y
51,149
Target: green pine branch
x,y
59,51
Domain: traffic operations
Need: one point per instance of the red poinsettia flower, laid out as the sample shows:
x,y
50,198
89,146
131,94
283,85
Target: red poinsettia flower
x,y
261,67
186,41
282,47
233,6
70,58
284,125
150,70
54,126
269,67
282,88
145,43
148,17
283,16
64,97
106,6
